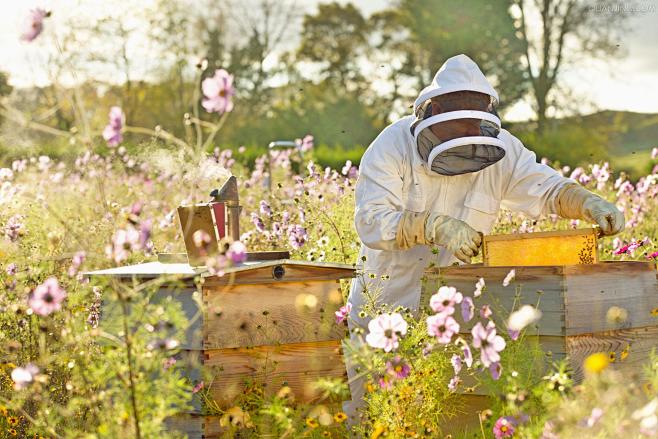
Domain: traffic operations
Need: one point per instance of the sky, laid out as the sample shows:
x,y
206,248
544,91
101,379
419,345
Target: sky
x,y
627,83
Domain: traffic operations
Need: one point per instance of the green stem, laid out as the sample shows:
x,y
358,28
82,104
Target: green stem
x,y
131,373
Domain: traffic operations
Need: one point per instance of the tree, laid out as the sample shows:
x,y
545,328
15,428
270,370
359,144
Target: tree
x,y
335,37
582,23
421,34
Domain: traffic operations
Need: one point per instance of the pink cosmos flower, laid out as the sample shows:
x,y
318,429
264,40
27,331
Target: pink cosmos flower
x,y
488,342
509,277
504,427
217,92
398,368
112,131
297,236
468,309
442,326
47,297
23,376
445,299
34,24
478,287
237,252
124,242
12,269
343,312
385,331
653,255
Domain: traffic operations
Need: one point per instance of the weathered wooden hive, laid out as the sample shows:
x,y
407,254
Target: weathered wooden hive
x,y
574,298
269,320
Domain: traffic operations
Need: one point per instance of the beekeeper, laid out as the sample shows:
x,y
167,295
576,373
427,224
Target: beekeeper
x,y
436,178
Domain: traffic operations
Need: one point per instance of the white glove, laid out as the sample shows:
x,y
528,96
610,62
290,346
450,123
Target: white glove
x,y
574,201
431,228
605,214
458,237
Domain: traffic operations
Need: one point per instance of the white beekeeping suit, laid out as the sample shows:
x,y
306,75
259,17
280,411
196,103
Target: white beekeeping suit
x,y
437,179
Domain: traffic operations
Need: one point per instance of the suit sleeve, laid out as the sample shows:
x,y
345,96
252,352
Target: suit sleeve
x,y
379,199
531,187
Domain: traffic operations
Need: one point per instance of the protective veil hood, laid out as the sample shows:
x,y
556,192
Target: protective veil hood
x,y
463,138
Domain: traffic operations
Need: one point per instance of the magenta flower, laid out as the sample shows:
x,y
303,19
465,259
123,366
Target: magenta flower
x,y
504,427
237,252
385,330
112,132
34,24
510,276
488,342
297,236
653,255
198,387
23,376
47,297
495,369
217,92
443,327
397,368
445,299
468,309
343,312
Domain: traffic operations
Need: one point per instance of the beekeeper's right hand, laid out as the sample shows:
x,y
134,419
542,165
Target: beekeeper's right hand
x,y
431,228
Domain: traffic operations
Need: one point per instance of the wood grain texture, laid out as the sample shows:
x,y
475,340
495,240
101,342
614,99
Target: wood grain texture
x,y
264,272
255,315
532,285
591,290
298,365
637,341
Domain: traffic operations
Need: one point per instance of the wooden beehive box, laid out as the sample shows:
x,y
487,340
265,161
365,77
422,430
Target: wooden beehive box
x,y
563,247
270,321
574,300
